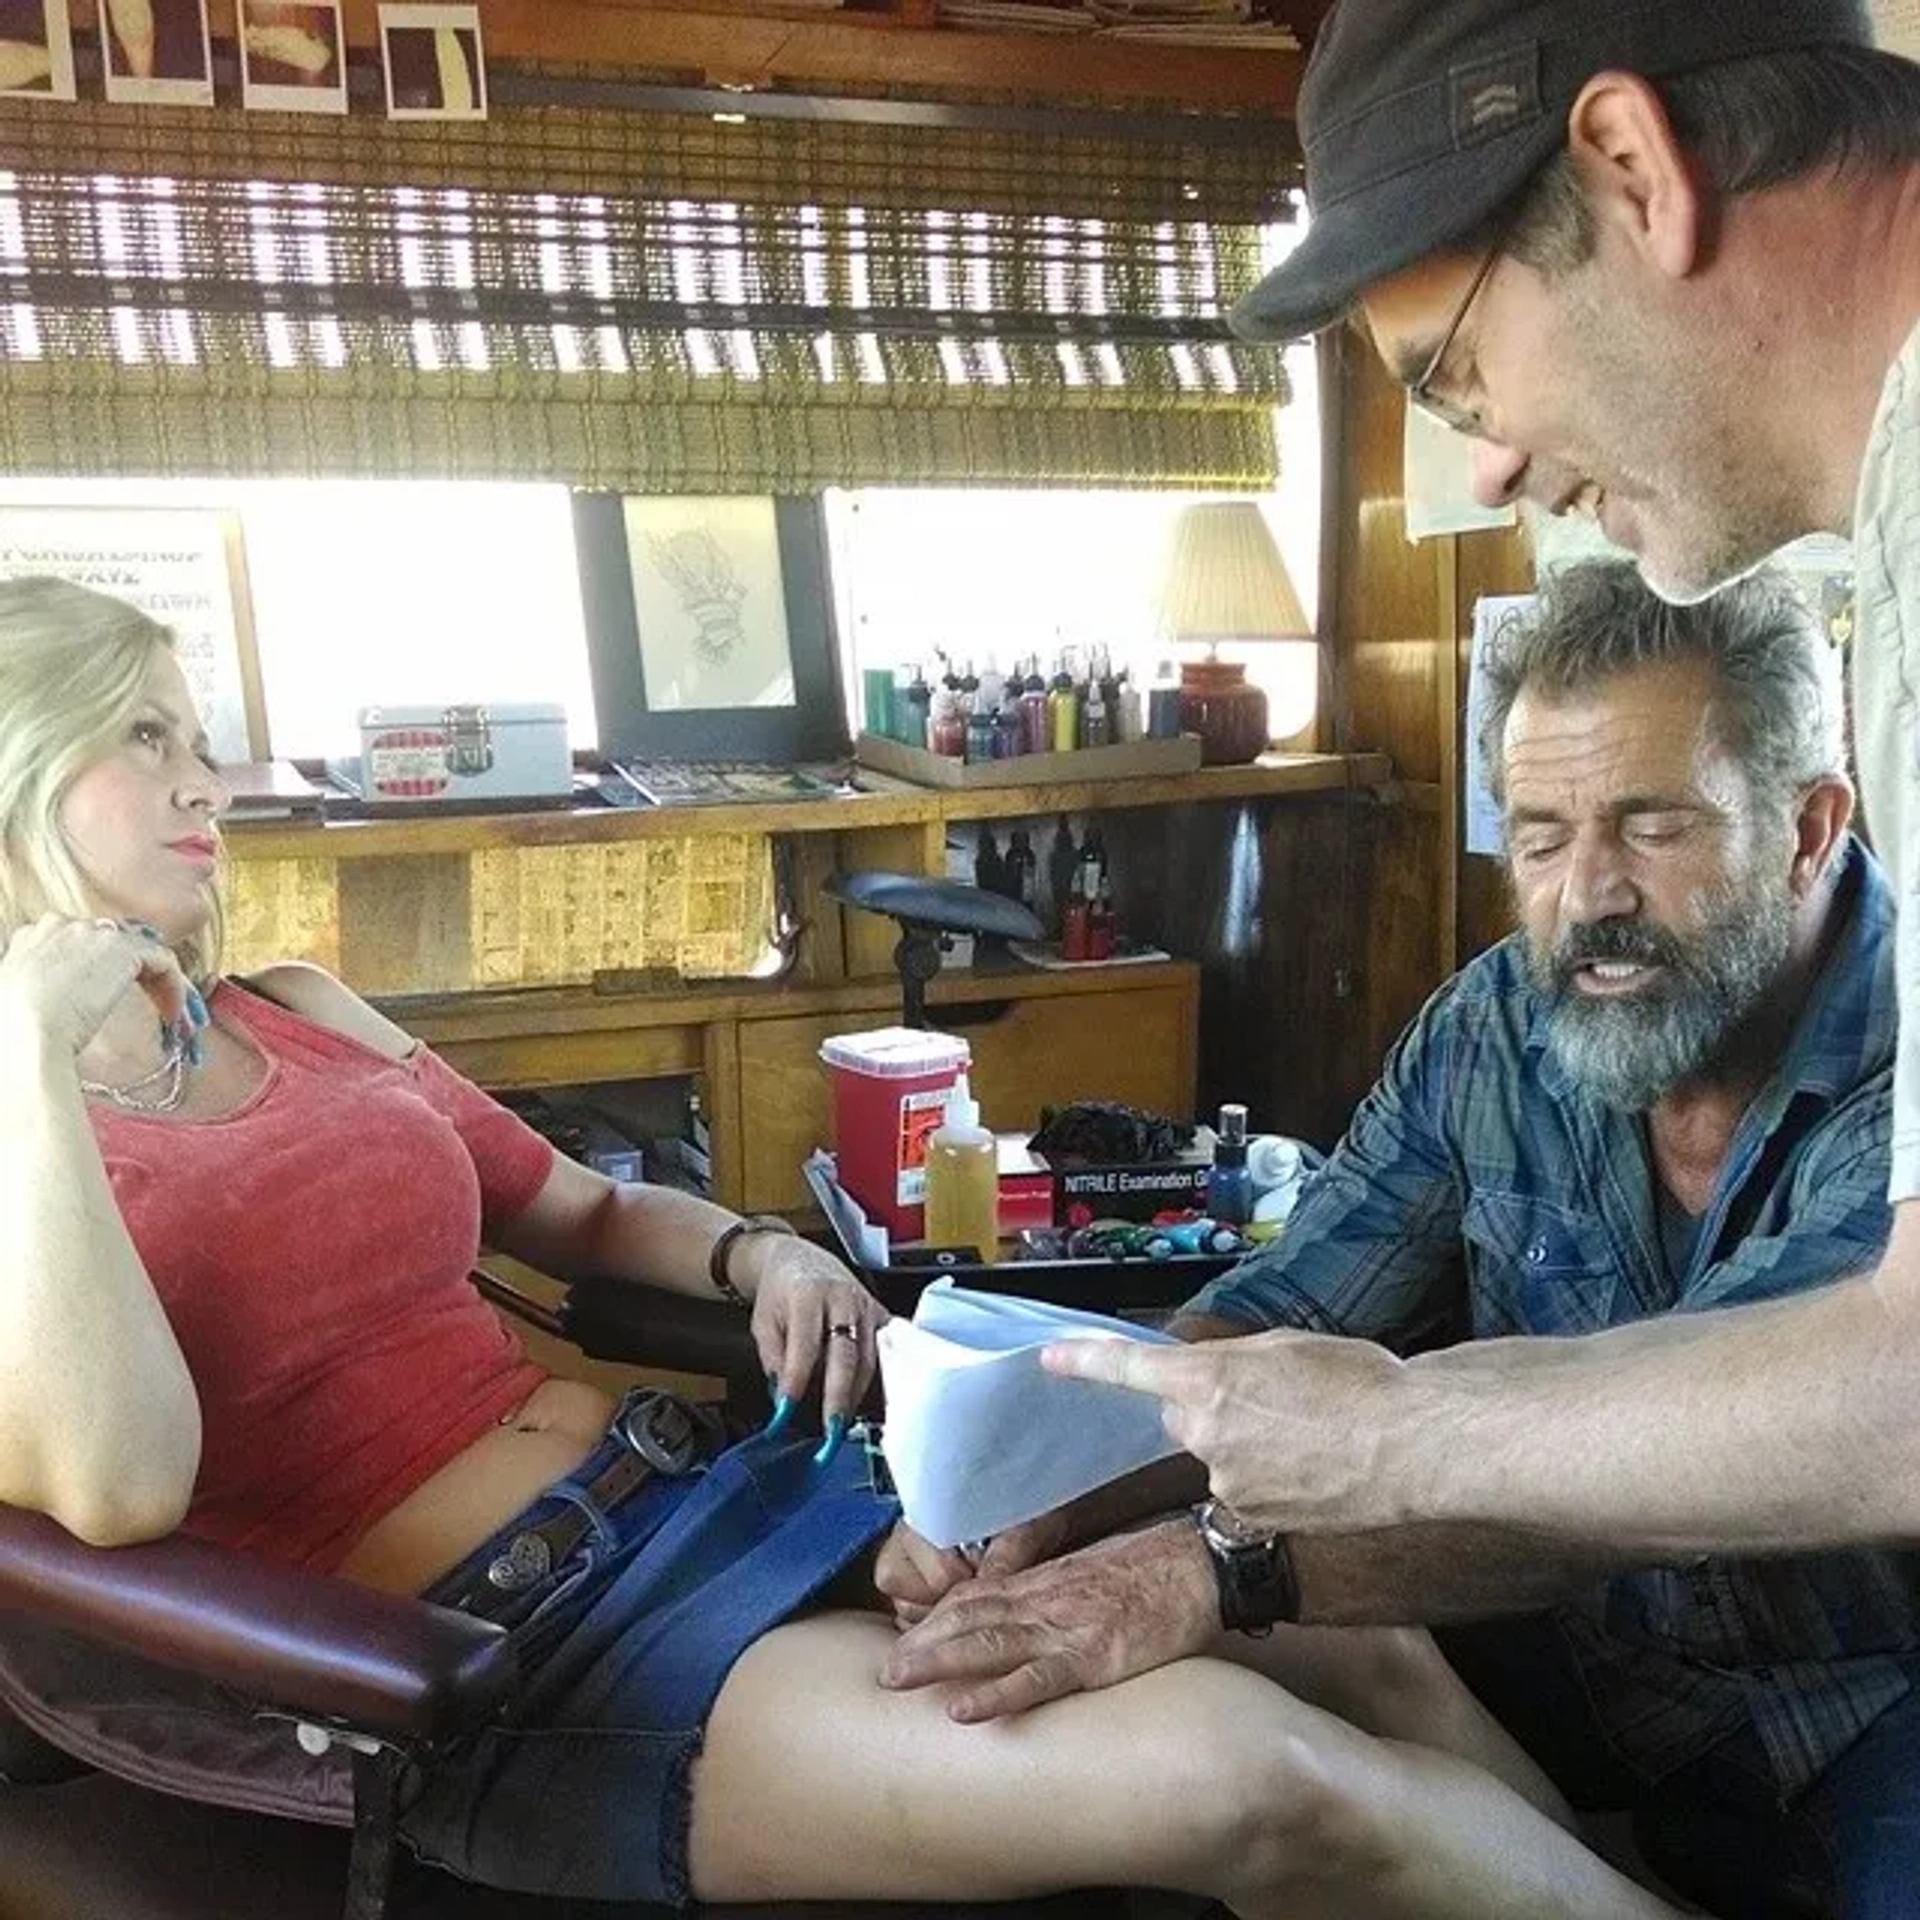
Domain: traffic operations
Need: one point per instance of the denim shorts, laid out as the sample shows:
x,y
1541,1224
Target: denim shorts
x,y
582,1787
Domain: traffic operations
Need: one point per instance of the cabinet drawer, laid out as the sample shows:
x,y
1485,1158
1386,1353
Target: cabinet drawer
x,y
577,1059
1136,1046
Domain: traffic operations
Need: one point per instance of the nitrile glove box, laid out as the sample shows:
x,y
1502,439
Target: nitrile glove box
x,y
425,755
1082,1195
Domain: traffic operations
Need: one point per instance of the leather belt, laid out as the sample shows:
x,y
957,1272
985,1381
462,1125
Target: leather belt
x,y
661,1435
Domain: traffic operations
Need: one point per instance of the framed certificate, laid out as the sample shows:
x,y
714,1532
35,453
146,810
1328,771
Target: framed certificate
x,y
184,567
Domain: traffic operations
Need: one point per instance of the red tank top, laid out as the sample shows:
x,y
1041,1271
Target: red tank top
x,y
312,1251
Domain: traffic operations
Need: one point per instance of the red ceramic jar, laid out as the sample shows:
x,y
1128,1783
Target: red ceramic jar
x,y
1228,712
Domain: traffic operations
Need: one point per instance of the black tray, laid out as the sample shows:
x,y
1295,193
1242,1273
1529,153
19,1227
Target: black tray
x,y
1146,1288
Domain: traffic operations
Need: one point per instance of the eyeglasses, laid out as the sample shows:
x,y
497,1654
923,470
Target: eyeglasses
x,y
1437,406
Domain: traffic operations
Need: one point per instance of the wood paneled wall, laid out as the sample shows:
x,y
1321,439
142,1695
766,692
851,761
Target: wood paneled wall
x,y
1400,637
1489,564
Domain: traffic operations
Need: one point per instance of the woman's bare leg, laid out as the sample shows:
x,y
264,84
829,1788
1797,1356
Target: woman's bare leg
x,y
1394,1682
816,1783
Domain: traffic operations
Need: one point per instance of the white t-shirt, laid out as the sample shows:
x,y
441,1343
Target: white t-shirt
x,y
1886,709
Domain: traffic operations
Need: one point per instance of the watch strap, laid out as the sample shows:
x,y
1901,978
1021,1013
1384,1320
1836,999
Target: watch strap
x,y
1257,1584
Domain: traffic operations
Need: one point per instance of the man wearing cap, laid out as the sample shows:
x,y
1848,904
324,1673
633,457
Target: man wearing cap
x,y
1661,260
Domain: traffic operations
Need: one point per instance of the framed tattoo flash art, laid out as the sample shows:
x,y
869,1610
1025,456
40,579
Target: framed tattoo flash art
x,y
293,56
156,52
710,626
434,62
36,49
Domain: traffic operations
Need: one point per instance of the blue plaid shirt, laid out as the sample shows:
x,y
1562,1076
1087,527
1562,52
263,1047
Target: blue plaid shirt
x,y
1479,1191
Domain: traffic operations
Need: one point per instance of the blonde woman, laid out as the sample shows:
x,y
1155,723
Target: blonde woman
x,y
235,1224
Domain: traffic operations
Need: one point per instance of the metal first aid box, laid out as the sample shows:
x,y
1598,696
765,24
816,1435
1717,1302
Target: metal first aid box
x,y
419,755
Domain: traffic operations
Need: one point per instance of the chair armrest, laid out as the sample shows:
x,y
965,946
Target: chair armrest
x,y
616,1320
302,1642
612,1319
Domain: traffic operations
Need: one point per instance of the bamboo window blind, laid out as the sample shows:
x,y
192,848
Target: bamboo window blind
x,y
643,301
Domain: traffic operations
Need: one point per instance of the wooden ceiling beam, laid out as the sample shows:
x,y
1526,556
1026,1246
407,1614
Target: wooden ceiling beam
x,y
863,50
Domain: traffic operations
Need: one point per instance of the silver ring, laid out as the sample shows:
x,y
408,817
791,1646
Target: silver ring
x,y
843,1330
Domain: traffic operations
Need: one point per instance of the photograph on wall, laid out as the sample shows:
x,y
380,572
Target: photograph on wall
x,y
435,63
156,52
1821,569
36,50
293,56
1495,618
1438,466
186,568
1897,26
710,603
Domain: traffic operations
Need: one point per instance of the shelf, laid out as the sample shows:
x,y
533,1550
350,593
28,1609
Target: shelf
x,y
1273,776
429,834
884,803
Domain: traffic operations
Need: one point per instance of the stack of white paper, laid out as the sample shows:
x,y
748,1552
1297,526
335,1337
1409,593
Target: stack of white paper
x,y
979,1436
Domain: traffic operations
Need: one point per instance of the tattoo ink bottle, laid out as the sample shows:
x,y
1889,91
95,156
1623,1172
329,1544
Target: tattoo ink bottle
x,y
1230,1184
1063,711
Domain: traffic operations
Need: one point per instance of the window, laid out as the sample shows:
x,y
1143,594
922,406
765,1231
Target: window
x,y
388,592
370,592
996,576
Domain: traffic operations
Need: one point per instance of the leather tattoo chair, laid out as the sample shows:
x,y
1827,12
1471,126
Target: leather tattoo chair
x,y
334,1686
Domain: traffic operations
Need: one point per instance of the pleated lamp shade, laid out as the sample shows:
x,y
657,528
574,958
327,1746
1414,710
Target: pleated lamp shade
x,y
1225,579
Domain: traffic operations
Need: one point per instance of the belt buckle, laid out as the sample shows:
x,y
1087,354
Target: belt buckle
x,y
660,1430
526,1561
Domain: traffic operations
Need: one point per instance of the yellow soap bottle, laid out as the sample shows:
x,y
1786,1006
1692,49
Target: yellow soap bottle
x,y
963,1179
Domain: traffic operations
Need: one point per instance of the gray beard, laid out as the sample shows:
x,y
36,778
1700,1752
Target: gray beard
x,y
1631,1051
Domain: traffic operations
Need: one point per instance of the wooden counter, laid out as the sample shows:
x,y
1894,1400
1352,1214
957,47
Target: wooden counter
x,y
882,802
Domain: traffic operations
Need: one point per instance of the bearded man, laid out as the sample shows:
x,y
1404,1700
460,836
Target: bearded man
x,y
1669,1092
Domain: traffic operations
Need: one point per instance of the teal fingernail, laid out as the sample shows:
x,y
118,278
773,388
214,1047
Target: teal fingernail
x,y
197,1008
195,1051
782,1413
836,1432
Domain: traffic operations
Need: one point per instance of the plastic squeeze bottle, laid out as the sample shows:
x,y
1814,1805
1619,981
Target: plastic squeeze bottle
x,y
963,1179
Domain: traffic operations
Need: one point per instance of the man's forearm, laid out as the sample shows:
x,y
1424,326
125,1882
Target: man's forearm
x,y
1187,1325
1144,1494
1409,1576
1428,1575
1788,1426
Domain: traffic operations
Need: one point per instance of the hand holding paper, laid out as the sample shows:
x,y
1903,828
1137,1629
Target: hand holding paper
x,y
1299,1432
979,1437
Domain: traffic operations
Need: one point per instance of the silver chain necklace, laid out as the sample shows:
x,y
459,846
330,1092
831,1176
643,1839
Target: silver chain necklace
x,y
170,1077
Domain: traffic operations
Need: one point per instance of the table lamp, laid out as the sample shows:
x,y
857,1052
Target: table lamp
x,y
1225,581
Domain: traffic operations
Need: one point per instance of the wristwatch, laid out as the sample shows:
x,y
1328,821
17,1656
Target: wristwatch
x,y
1254,1571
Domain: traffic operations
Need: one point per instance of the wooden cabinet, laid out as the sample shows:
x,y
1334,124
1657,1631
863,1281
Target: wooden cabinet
x,y
1037,1039
389,904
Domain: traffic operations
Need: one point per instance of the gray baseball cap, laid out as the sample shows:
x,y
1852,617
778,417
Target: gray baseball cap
x,y
1421,119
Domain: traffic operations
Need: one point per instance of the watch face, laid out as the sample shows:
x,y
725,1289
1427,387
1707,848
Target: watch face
x,y
1224,1523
